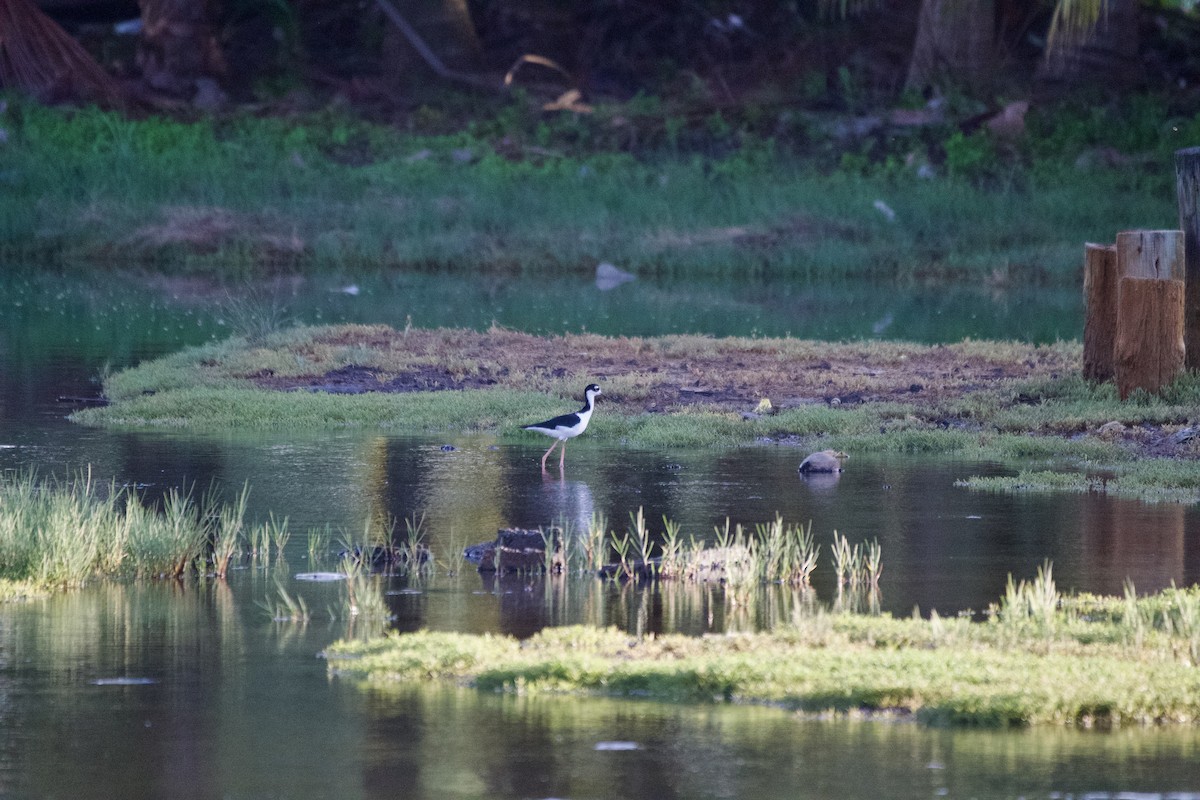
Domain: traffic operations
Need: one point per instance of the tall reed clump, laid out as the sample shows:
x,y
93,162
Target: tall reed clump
x,y
362,591
64,533
785,553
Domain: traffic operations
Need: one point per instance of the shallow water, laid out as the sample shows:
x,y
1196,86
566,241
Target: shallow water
x,y
161,690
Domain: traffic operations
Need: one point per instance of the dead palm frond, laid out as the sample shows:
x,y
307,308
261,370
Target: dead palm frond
x,y
39,57
1073,22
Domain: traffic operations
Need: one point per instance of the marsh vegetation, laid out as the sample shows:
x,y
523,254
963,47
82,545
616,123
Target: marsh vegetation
x,y
1039,658
985,399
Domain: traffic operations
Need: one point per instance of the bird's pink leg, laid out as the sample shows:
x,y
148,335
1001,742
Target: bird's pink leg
x,y
544,455
562,455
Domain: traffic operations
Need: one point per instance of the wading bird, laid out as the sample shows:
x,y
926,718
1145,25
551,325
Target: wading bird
x,y
566,426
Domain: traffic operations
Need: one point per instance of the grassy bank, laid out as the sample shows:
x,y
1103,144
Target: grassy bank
x,y
533,192
991,400
1039,659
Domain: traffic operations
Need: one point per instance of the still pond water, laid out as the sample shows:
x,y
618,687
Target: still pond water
x,y
159,690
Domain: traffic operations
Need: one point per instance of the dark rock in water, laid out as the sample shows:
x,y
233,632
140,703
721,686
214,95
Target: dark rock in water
x,y
823,461
517,550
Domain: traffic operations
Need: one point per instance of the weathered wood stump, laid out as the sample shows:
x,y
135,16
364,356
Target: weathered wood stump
x,y
1149,348
1134,331
1100,321
1150,254
1187,186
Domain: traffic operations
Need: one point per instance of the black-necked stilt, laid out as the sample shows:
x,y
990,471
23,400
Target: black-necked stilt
x,y
566,426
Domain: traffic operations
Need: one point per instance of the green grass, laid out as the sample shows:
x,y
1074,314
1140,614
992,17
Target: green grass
x,y
233,195
1041,659
63,534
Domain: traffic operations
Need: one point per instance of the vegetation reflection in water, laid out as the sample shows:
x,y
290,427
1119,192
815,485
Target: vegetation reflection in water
x,y
1039,658
560,747
241,695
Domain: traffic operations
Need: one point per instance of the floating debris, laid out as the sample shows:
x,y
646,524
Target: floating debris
x,y
123,681
617,746
609,276
320,577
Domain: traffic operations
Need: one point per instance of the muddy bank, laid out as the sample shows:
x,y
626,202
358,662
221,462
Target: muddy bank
x,y
669,373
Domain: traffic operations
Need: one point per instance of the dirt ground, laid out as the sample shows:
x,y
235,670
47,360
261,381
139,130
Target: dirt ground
x,y
668,373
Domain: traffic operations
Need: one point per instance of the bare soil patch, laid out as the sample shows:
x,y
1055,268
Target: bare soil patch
x,y
663,374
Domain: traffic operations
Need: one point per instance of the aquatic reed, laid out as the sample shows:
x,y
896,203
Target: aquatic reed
x,y
320,541
286,607
454,556
415,556
362,594
671,560
786,553
623,546
62,533
226,533
640,534
845,560
595,543
553,561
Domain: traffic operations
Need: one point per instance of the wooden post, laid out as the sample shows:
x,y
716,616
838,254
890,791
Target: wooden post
x,y
1187,186
1149,344
1150,254
1100,302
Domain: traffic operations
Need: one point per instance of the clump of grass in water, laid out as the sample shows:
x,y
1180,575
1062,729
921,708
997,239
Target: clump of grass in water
x,y
268,540
56,534
285,607
362,595
554,545
454,557
622,545
227,531
595,546
785,553
671,562
858,569
415,556
320,541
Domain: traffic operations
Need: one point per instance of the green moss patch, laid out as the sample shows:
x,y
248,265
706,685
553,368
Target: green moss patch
x,y
1109,666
